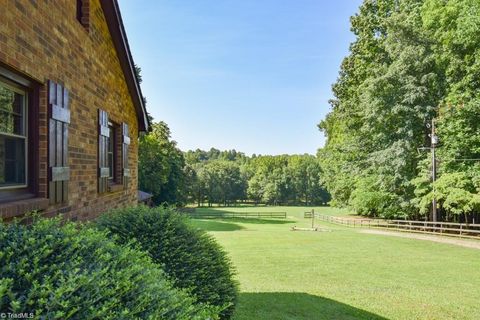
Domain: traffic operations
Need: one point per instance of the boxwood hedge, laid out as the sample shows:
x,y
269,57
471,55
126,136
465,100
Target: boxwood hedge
x,y
71,271
191,257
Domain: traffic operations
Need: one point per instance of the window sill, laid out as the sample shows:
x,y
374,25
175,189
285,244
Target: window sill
x,y
17,208
115,187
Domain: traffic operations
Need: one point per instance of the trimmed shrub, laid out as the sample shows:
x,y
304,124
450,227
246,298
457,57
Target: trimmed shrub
x,y
190,256
74,272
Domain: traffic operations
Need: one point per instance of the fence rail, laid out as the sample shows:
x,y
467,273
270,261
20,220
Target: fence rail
x,y
307,214
231,214
462,230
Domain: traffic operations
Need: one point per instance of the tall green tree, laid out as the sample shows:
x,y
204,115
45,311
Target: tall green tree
x,y
412,61
223,182
454,27
161,166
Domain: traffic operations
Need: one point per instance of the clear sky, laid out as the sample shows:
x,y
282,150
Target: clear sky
x,y
250,75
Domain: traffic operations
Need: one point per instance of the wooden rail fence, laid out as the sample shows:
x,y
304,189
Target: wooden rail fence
x,y
232,214
307,214
462,230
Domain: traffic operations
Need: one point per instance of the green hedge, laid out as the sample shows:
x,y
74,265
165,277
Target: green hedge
x,y
75,272
191,257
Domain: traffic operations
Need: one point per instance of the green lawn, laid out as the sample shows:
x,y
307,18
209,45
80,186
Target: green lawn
x,y
343,274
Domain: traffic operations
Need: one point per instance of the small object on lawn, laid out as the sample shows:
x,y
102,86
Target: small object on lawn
x,y
295,228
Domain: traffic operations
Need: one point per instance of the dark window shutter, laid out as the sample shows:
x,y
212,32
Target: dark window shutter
x,y
103,135
125,146
59,172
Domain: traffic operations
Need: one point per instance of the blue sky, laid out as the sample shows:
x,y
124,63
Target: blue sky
x,y
250,75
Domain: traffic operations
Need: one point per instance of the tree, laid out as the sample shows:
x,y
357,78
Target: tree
x,y
223,182
161,166
226,177
412,61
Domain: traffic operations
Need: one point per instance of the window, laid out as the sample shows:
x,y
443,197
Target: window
x,y
19,144
79,10
83,13
13,136
111,152
113,140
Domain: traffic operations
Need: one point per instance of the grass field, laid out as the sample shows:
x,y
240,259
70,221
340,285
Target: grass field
x,y
344,274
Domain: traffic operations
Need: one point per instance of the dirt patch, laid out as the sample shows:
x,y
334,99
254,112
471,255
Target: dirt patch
x,y
475,244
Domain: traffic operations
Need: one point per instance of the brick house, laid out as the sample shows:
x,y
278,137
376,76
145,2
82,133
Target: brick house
x,y
71,109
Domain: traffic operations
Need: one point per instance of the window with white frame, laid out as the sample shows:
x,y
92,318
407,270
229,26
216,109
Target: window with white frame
x,y
13,136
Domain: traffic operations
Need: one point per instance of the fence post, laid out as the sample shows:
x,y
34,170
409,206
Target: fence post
x,y
313,218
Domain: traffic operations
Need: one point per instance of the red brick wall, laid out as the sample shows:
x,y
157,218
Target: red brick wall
x,y
44,40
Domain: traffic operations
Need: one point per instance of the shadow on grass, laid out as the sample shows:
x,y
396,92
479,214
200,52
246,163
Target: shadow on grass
x,y
293,305
213,225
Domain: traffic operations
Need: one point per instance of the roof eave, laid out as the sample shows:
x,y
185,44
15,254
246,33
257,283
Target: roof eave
x,y
113,17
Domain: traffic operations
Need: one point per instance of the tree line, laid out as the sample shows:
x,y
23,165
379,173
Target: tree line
x,y
413,61
225,177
